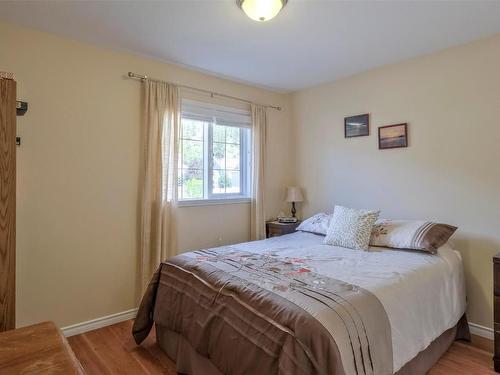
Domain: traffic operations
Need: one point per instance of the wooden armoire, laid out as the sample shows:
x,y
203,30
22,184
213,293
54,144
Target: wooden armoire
x,y
7,203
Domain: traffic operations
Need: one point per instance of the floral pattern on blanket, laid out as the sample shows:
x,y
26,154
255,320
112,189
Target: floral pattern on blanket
x,y
271,270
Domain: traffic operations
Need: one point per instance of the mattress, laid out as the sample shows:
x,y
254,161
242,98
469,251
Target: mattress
x,y
423,295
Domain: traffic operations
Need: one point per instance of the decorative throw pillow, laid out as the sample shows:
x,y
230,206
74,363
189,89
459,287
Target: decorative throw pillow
x,y
317,224
351,228
411,234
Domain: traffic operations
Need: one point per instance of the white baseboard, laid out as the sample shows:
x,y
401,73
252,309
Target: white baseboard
x,y
478,330
103,321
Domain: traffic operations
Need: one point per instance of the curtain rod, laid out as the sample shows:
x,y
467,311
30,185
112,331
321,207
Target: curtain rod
x,y
143,78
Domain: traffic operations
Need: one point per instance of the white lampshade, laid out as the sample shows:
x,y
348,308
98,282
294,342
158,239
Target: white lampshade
x,y
294,194
261,10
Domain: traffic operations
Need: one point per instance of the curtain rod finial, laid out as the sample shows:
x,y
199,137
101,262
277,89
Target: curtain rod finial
x,y
133,75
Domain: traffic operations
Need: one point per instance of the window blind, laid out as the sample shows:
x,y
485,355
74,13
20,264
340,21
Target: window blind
x,y
218,114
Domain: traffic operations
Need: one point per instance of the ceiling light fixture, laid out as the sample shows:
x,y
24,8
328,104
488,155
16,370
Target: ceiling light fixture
x,y
261,10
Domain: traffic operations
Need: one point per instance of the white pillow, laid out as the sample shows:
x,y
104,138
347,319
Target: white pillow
x,y
317,224
351,228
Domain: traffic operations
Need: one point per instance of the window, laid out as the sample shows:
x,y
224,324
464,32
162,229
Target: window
x,y
214,152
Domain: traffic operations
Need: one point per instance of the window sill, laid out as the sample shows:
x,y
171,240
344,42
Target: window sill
x,y
211,202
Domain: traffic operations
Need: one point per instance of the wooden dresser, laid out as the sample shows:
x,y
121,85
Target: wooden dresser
x,y
37,349
496,304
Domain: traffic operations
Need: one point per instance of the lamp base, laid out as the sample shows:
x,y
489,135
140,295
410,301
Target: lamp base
x,y
293,209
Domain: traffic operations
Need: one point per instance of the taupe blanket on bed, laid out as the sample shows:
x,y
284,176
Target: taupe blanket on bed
x,y
260,314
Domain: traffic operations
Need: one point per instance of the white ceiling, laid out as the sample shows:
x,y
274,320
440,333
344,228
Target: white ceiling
x,y
309,43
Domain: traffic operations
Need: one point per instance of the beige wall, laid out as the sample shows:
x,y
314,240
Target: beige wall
x,y
78,170
450,172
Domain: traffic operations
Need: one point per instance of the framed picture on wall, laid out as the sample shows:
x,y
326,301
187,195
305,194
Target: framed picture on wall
x,y
357,126
393,136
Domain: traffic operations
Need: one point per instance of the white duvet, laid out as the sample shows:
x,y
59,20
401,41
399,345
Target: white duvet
x,y
423,294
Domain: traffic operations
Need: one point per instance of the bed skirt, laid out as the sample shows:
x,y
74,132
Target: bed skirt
x,y
188,361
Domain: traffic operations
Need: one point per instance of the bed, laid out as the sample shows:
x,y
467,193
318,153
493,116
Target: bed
x,y
292,305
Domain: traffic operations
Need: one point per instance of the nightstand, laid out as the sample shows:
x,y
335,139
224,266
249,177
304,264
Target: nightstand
x,y
274,228
496,304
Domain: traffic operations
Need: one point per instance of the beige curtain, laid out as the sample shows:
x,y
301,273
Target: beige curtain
x,y
161,107
258,216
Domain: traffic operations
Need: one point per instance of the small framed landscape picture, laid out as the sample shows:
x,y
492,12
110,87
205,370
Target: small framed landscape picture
x,y
392,136
356,126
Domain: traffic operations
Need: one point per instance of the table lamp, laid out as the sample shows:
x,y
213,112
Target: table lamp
x,y
294,194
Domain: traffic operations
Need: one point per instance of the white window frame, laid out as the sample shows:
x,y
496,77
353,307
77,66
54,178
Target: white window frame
x,y
226,116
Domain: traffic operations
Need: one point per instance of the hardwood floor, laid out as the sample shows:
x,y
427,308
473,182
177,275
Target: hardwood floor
x,y
464,359
111,350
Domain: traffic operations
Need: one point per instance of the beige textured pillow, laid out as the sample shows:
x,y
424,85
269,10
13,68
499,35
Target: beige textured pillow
x,y
411,234
350,228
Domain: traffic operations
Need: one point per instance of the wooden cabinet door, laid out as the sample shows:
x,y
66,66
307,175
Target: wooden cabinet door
x,y
7,204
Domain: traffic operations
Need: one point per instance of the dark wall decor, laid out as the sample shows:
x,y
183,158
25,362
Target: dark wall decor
x,y
357,126
393,136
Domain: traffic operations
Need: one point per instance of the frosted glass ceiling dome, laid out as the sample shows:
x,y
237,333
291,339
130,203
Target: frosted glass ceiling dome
x,y
261,10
